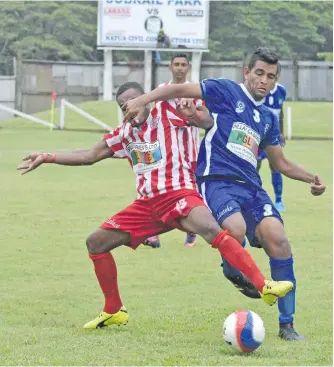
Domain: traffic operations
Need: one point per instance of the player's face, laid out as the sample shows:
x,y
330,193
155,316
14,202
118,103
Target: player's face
x,y
260,80
126,96
179,68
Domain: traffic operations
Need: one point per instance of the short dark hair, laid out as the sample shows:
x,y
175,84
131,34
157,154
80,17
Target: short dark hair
x,y
263,54
279,68
129,85
179,55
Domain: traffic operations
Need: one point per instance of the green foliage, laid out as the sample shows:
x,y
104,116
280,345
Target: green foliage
x,y
327,56
49,30
67,30
292,28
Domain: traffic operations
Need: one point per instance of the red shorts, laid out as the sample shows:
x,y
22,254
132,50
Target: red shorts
x,y
152,216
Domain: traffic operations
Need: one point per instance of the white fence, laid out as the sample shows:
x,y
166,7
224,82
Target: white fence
x,y
14,112
81,112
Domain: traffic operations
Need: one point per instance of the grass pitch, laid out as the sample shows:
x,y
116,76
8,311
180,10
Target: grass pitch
x,y
177,297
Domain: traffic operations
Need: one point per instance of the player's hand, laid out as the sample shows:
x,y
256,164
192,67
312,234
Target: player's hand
x,y
132,109
317,186
186,107
30,162
283,141
140,118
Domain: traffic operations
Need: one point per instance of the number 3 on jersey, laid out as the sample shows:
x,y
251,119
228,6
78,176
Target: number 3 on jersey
x,y
256,115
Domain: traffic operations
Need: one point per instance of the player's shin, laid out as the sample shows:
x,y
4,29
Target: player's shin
x,y
283,270
231,250
106,273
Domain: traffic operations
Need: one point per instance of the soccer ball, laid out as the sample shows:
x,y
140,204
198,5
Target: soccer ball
x,y
244,331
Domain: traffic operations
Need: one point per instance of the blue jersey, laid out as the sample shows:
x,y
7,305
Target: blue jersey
x,y
274,100
241,126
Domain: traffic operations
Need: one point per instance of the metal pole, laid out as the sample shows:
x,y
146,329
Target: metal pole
x,y
148,71
107,76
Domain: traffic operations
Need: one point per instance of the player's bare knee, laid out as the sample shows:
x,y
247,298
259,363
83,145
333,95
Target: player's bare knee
x,y
236,226
284,247
94,245
278,247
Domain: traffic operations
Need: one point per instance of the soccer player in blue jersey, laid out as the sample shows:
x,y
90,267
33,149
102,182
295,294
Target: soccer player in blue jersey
x,y
227,162
274,101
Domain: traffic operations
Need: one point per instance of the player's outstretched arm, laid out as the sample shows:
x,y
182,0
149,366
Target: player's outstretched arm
x,y
187,90
292,170
79,158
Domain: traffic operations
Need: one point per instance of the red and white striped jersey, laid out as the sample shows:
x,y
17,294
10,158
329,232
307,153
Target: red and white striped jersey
x,y
161,152
195,130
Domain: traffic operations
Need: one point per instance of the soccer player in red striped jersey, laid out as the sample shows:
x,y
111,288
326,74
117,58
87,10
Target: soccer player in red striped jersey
x,y
167,199
179,67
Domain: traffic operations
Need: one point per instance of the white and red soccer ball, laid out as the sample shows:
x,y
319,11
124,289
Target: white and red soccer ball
x,y
244,331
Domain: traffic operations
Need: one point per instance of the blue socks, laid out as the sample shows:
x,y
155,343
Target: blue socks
x,y
277,181
283,270
229,270
280,270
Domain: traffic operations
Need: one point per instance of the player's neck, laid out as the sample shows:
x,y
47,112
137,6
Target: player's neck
x,y
274,89
257,100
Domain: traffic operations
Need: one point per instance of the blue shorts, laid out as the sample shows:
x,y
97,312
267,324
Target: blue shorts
x,y
225,198
261,155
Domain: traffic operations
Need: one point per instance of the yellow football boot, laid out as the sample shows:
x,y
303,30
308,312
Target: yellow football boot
x,y
104,319
274,290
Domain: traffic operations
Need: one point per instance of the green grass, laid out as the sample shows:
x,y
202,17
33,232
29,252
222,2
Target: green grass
x,y
309,120
177,297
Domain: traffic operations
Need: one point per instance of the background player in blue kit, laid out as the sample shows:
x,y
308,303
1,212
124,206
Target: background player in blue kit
x,y
274,101
227,162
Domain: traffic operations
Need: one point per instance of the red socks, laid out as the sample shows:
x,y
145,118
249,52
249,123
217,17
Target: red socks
x,y
229,248
106,272
239,258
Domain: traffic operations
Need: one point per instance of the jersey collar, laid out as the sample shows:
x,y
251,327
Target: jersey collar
x,y
171,82
274,89
257,103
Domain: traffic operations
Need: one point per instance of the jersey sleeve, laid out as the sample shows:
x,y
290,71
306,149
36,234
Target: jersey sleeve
x,y
213,93
273,135
114,141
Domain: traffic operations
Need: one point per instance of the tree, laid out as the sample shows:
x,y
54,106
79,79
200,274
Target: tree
x,y
289,27
66,30
327,56
49,30
321,14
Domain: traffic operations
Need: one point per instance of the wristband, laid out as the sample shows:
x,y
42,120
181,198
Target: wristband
x,y
47,155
